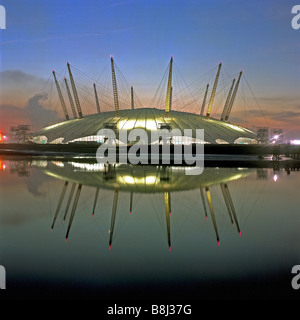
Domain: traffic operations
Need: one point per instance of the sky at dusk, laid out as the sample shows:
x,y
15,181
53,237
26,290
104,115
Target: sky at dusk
x,y
253,35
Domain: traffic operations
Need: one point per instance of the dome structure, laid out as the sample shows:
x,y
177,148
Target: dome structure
x,y
150,120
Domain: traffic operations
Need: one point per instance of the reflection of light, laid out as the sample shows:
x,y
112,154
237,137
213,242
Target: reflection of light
x,y
275,177
297,142
58,163
150,179
89,166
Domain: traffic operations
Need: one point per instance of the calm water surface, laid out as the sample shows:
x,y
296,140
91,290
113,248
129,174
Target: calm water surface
x,y
75,229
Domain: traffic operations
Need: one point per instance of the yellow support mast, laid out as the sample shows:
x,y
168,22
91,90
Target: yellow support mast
x,y
62,101
213,93
204,100
70,99
233,97
75,92
169,90
97,100
115,88
227,101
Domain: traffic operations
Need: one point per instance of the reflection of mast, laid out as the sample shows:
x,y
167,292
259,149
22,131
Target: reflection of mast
x,y
212,212
203,201
222,185
95,200
73,210
69,200
167,211
62,195
229,199
169,195
131,197
113,217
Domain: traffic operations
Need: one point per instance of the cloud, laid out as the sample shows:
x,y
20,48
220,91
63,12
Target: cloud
x,y
18,87
34,113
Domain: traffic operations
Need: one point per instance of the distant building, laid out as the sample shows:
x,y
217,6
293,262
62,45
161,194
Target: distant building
x,y
263,134
20,133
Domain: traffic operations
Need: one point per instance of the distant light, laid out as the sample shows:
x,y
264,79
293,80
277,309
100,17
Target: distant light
x,y
240,233
219,243
169,248
276,136
275,177
109,247
296,142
